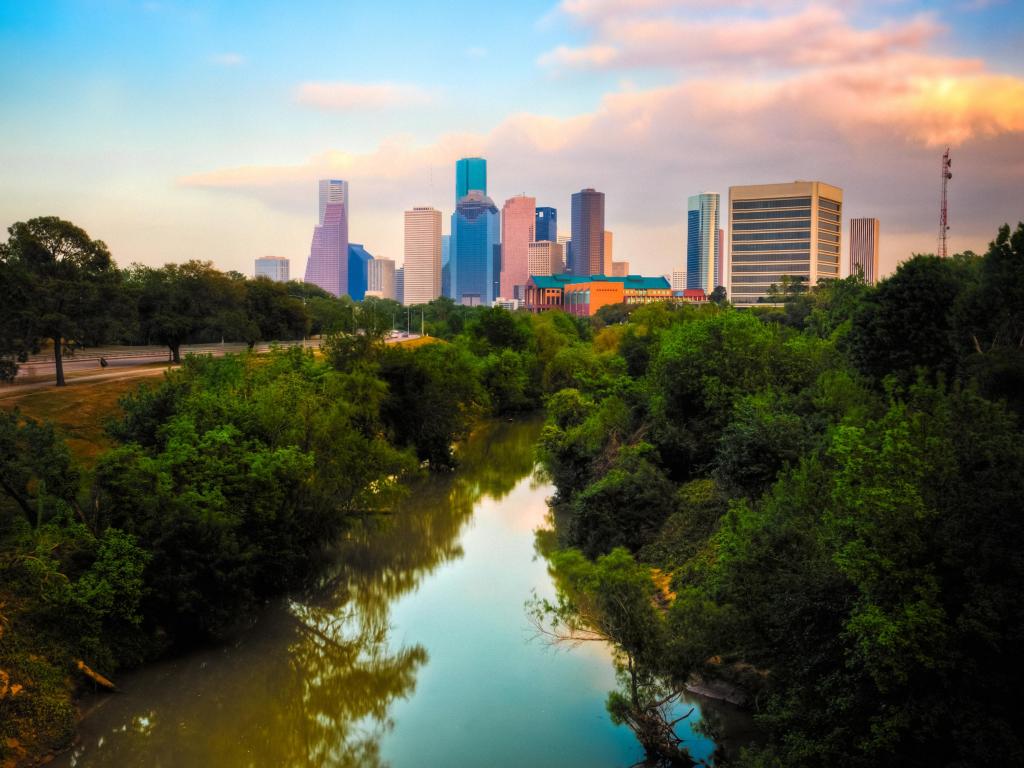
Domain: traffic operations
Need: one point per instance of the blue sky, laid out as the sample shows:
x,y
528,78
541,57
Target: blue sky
x,y
178,130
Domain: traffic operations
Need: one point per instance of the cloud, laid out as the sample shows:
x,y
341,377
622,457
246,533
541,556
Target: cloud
x,y
228,59
811,37
343,96
865,108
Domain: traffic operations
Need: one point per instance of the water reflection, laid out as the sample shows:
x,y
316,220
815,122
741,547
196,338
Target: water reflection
x,y
314,681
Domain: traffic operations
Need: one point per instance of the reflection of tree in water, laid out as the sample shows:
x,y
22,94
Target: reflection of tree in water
x,y
314,682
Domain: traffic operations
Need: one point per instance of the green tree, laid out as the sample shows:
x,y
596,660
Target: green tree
x,y
37,475
68,286
178,301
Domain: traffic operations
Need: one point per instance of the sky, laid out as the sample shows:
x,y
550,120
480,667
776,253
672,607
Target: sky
x,y
188,129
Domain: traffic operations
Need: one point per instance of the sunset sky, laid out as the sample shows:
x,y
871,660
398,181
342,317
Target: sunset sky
x,y
176,130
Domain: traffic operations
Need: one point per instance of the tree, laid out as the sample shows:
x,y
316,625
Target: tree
x,y
276,314
719,296
36,472
612,601
178,301
68,286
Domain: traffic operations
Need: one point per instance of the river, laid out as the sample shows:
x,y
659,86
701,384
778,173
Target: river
x,y
413,650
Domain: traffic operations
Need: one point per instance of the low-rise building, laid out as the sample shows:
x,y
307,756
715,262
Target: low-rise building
x,y
583,296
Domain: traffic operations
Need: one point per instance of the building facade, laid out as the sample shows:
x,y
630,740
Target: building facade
x,y
380,278
583,296
359,260
475,249
546,225
332,191
275,268
609,248
782,229
702,241
545,258
587,253
327,265
470,174
422,265
864,248
518,225
620,268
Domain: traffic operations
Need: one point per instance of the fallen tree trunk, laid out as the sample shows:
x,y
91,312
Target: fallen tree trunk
x,y
96,677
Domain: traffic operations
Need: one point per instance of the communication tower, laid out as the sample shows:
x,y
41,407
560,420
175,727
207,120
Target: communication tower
x,y
947,174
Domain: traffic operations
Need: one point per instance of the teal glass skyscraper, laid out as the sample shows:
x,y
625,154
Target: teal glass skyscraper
x,y
702,242
476,232
470,174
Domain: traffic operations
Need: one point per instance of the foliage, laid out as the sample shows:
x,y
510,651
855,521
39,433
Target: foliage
x,y
61,286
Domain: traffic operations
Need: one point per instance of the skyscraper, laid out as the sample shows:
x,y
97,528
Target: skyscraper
x,y
702,241
475,233
327,266
470,174
546,225
273,267
545,258
446,266
333,191
380,278
422,267
358,270
721,259
588,232
782,229
864,248
609,246
518,223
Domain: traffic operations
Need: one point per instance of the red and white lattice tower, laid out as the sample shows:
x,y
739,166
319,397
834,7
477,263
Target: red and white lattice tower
x,y
947,174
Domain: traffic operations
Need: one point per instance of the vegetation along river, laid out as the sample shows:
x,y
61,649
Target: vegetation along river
x,y
415,650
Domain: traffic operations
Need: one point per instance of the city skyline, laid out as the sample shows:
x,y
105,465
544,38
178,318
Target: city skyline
x,y
198,135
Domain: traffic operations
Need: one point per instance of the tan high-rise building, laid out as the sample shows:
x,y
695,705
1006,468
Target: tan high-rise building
x,y
545,258
782,229
620,269
422,267
518,225
380,278
609,241
864,248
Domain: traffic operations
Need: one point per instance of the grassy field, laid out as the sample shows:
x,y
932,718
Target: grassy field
x,y
79,411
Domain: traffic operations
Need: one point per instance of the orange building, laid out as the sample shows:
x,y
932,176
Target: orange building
x,y
583,296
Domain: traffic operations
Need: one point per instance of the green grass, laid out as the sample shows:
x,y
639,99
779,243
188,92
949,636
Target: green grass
x,y
79,411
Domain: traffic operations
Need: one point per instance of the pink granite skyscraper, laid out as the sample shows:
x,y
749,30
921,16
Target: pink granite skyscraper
x,y
518,224
328,255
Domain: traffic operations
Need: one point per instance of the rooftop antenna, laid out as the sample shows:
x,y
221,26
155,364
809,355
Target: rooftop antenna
x,y
947,174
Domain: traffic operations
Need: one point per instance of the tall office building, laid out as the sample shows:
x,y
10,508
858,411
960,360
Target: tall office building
x,y
677,280
588,232
721,259
620,269
273,267
518,225
609,241
566,242
380,278
545,258
332,191
359,260
864,248
782,229
470,174
400,285
702,241
422,267
475,245
327,266
446,267
546,225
